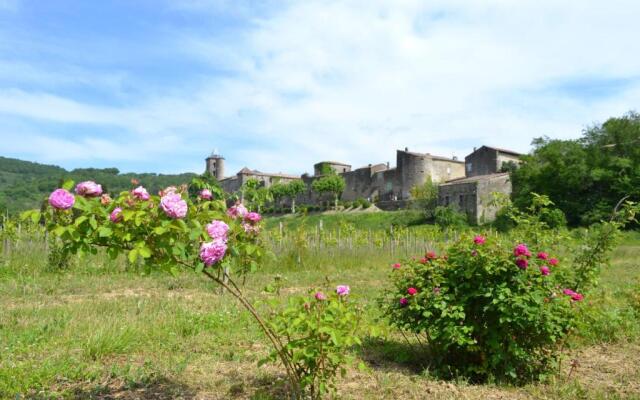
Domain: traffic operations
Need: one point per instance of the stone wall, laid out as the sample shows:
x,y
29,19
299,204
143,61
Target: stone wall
x,y
473,195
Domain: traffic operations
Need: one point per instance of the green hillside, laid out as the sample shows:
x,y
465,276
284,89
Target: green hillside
x,y
25,184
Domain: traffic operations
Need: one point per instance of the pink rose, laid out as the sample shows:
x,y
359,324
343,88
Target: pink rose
x,y
396,266
237,211
544,270
250,229
173,205
521,250
553,261
342,290
568,292
61,199
404,301
479,239
140,193
320,296
436,290
116,215
205,194
431,255
522,263
88,189
218,230
474,253
212,252
105,200
542,255
577,297
412,291
253,218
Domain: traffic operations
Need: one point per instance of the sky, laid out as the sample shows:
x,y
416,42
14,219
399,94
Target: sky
x,y
157,85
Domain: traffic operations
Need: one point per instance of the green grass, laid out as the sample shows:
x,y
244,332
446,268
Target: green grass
x,y
100,329
364,220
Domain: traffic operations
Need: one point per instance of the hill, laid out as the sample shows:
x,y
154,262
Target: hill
x,y
25,184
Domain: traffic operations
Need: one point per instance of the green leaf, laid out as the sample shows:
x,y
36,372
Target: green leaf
x,y
104,231
93,222
68,184
133,256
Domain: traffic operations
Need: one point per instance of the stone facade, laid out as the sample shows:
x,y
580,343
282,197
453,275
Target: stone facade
x,y
489,160
473,195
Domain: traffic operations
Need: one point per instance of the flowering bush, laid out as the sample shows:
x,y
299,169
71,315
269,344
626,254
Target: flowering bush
x,y
317,330
488,309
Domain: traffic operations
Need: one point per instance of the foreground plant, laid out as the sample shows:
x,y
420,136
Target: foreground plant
x,y
491,309
319,329
169,231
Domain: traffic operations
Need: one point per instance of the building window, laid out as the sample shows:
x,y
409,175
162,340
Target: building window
x,y
446,201
469,167
461,201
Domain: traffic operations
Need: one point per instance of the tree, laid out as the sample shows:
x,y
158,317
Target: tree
x,y
293,189
333,184
425,197
255,194
585,178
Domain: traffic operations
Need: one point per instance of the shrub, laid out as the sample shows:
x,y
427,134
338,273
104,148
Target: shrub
x,y
493,311
318,329
447,217
485,312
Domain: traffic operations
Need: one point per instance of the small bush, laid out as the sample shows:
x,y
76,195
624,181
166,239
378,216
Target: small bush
x,y
447,217
487,311
318,329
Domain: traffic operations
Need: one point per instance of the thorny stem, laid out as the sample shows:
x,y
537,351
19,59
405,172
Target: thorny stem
x,y
275,341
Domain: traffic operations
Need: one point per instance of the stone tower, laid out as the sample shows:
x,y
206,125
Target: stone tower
x,y
215,165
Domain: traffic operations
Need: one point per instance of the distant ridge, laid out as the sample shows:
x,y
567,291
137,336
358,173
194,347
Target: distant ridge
x,y
25,184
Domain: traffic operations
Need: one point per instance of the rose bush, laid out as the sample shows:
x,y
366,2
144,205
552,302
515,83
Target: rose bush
x,y
489,308
179,228
318,330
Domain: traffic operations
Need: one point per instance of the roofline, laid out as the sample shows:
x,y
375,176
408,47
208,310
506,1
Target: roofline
x,y
473,179
332,162
434,157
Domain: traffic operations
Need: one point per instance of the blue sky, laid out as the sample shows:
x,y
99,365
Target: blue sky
x,y
155,86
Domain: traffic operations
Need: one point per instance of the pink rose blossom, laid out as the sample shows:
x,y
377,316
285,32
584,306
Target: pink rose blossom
x,y
522,263
577,297
61,199
250,229
553,261
88,189
212,252
544,270
218,230
168,190
423,260
521,250
173,205
205,194
396,266
436,290
342,290
479,239
431,255
116,215
237,211
105,200
568,292
404,301
474,253
542,255
320,296
412,291
253,218
140,193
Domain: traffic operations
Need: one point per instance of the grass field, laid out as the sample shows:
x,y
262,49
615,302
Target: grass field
x,y
98,330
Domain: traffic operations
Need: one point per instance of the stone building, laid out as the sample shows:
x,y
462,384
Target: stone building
x,y
466,185
489,160
473,195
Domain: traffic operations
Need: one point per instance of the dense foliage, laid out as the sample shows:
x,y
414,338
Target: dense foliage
x,y
319,329
24,184
332,184
493,308
586,177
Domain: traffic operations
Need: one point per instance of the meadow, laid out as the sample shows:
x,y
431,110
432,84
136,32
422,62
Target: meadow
x,y
110,330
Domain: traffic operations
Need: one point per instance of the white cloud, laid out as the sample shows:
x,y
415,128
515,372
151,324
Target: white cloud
x,y
353,81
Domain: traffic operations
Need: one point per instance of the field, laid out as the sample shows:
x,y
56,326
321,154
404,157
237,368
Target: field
x,y
102,329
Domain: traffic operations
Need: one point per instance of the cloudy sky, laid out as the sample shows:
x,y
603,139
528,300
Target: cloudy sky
x,y
154,85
